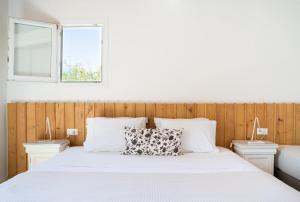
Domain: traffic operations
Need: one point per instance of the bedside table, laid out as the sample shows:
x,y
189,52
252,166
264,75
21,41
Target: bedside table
x,y
259,154
43,150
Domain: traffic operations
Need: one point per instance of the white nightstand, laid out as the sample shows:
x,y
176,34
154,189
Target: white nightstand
x,y
259,154
40,151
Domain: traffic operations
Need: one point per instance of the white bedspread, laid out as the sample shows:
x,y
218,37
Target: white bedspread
x,y
288,160
77,176
76,160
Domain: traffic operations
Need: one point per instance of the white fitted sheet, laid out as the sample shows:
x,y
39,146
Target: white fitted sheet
x,y
288,160
77,176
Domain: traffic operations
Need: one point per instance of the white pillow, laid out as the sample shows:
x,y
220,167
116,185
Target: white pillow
x,y
199,135
107,134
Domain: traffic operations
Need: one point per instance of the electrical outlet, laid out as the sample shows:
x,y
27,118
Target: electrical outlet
x,y
262,131
72,131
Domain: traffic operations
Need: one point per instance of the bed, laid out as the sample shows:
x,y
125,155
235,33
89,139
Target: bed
x,y
75,175
287,165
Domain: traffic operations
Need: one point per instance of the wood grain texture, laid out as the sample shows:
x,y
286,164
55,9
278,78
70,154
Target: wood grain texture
x,y
140,110
271,121
280,123
26,121
89,111
211,111
79,123
99,109
150,113
70,120
229,123
250,115
50,113
240,122
21,137
289,129
220,139
297,124
31,122
40,120
59,121
190,111
12,139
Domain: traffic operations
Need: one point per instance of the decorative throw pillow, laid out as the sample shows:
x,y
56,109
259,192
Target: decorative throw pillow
x,y
161,142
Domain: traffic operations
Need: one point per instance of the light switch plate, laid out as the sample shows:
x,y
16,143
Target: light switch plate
x,y
72,132
262,131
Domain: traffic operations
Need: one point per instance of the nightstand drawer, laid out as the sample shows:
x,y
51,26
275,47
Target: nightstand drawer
x,y
264,162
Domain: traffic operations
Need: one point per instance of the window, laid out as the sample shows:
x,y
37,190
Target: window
x,y
32,50
81,54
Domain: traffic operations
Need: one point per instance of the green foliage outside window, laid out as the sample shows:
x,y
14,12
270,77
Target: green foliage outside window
x,y
77,73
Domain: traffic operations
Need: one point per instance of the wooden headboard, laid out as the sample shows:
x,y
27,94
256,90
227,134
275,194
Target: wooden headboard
x,y
26,121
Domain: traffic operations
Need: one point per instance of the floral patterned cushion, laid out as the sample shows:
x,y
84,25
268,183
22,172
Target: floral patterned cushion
x,y
161,142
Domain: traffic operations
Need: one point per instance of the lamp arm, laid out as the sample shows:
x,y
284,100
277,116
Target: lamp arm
x,y
256,121
48,128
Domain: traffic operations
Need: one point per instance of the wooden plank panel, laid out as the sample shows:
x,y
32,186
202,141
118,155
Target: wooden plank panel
x,y
109,109
59,121
150,113
26,122
261,114
211,111
280,122
289,124
161,111
271,121
181,111
240,122
79,123
140,110
50,113
70,120
30,122
220,125
190,111
21,138
40,114
89,111
297,124
171,111
229,124
129,109
99,109
119,109
12,139
250,116
201,110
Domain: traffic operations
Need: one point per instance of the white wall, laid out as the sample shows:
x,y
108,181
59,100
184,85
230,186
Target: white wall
x,y
181,50
3,76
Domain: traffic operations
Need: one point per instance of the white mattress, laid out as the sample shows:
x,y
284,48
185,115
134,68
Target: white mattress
x,y
75,175
288,160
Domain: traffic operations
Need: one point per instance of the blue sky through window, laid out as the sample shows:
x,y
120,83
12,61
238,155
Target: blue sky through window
x,y
82,46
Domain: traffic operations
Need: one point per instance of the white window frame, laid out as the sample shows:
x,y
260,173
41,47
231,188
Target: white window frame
x,y
11,74
61,51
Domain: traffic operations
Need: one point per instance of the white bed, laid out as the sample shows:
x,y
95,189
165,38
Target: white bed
x,y
75,175
288,160
287,165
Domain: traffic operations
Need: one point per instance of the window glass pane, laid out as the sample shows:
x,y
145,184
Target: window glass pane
x,y
81,53
32,49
